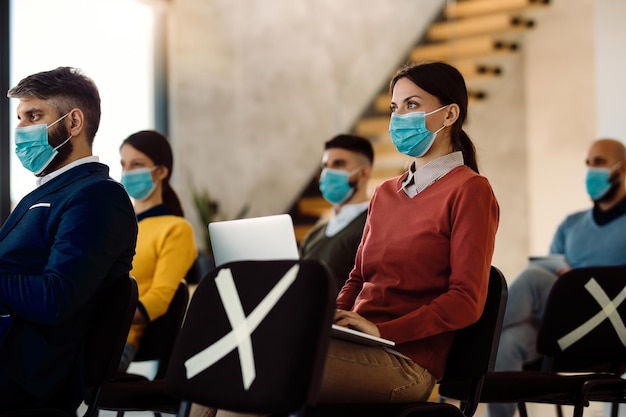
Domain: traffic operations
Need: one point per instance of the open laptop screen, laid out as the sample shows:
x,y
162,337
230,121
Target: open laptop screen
x,y
256,238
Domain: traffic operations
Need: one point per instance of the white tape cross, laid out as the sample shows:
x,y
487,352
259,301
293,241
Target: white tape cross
x,y
608,310
242,326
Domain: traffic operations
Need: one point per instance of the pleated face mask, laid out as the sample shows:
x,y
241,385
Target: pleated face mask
x,y
138,182
598,182
409,134
335,185
32,147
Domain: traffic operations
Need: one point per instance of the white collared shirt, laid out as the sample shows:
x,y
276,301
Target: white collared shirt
x,y
340,220
42,180
418,180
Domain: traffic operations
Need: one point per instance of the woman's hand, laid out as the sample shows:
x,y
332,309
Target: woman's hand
x,y
352,320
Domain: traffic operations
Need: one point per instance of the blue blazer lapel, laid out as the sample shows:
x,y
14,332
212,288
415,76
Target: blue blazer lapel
x,y
38,195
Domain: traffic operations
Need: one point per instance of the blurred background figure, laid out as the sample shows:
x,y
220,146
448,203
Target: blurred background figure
x,y
346,168
165,244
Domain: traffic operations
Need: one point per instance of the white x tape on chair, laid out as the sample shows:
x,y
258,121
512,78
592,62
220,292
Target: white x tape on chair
x,y
608,310
242,327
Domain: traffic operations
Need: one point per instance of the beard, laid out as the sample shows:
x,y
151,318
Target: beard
x,y
608,196
55,138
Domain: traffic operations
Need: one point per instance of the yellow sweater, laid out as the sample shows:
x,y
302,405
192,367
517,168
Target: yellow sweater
x,y
165,251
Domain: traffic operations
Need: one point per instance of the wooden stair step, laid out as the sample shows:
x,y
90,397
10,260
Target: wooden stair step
x,y
475,46
481,25
313,206
301,230
459,9
372,126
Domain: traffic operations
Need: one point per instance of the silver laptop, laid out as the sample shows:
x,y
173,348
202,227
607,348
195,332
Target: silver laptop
x,y
256,238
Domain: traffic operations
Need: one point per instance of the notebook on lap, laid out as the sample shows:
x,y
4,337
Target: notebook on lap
x,y
256,238
356,336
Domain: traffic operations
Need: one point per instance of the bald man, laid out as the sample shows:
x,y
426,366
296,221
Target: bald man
x,y
593,237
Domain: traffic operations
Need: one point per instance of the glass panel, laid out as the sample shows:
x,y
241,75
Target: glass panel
x,y
111,41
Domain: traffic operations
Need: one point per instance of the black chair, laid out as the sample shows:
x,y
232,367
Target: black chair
x,y
255,338
582,331
132,392
104,345
472,355
421,409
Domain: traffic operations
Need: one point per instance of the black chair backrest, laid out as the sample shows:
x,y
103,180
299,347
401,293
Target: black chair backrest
x,y
108,331
264,327
158,340
474,349
583,326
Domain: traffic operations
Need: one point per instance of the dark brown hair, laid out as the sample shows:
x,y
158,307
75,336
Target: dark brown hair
x,y
65,88
352,143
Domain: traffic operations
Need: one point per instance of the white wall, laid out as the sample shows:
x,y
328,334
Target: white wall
x,y
561,114
497,128
610,39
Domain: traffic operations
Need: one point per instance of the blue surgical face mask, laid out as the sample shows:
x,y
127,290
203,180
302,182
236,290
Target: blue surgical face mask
x,y
409,134
335,185
32,147
598,182
138,183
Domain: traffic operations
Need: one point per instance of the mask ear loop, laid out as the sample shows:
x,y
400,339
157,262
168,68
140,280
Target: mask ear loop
x,y
57,121
354,171
356,183
435,111
614,180
439,130
62,143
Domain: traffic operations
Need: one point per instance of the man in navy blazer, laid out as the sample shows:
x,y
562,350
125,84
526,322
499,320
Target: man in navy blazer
x,y
63,244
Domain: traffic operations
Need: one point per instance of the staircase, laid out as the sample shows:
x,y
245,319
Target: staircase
x,y
472,35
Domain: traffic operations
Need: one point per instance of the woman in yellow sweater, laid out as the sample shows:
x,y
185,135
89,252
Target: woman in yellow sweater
x,y
165,245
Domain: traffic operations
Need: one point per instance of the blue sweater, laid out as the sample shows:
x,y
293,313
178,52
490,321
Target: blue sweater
x,y
584,242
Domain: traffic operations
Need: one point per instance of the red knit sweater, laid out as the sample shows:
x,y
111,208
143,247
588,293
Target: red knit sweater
x,y
422,268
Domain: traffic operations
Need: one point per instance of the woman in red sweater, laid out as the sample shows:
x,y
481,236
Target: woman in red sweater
x,y
422,268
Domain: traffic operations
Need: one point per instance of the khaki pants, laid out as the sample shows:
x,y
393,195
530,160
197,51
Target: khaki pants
x,y
359,373
356,373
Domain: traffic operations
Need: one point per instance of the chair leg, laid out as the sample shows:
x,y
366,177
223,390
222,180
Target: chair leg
x,y
578,410
521,407
559,410
615,409
185,408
